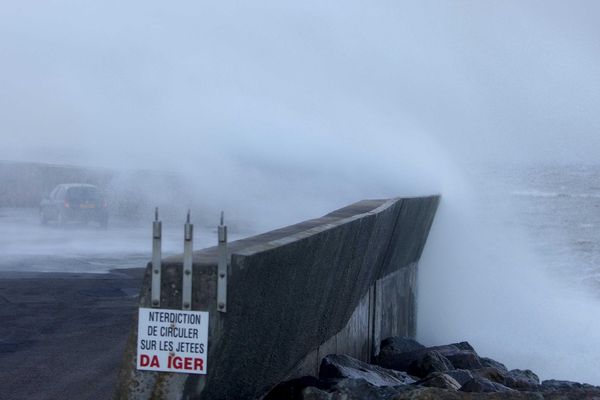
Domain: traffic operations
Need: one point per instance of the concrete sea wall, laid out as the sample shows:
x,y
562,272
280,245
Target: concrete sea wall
x,y
336,284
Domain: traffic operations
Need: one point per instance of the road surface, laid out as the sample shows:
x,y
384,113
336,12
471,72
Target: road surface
x,y
67,297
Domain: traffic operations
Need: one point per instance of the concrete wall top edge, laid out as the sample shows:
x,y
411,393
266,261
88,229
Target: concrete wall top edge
x,y
292,233
313,231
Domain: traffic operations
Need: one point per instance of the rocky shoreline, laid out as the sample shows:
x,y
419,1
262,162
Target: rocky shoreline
x,y
405,369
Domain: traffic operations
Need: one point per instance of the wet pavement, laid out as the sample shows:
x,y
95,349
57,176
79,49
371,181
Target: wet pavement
x,y
28,246
62,335
67,300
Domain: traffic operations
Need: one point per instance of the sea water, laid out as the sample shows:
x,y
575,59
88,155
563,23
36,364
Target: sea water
x,y
514,268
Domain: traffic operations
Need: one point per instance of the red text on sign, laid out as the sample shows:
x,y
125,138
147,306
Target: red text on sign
x,y
146,361
185,363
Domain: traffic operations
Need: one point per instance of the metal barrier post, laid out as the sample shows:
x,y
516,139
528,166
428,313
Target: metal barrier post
x,y
222,267
186,292
156,259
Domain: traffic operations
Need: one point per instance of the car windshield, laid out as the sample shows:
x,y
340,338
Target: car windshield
x,y
83,193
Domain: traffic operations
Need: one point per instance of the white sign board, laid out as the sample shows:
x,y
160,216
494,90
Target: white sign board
x,y
172,340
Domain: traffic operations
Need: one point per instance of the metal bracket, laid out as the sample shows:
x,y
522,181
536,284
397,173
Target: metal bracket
x,y
156,259
186,287
222,267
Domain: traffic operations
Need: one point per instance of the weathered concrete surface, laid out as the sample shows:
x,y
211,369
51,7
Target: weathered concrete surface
x,y
333,284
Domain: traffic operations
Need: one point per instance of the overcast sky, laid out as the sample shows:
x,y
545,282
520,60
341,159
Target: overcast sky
x,y
137,82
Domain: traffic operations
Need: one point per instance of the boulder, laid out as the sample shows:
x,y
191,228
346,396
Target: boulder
x,y
429,393
588,392
489,373
463,359
360,389
461,375
293,389
463,346
554,384
402,361
398,352
452,348
483,385
345,367
393,356
399,344
426,363
488,362
312,393
439,380
352,389
524,380
461,355
525,374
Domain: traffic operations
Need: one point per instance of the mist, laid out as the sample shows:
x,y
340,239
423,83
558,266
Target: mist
x,y
278,112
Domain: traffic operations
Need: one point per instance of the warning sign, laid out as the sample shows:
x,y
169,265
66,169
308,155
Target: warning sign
x,y
172,340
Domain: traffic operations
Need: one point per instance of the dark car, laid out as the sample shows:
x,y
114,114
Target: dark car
x,y
74,202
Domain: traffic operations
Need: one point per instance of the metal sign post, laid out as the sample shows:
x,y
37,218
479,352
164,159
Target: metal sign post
x,y
222,267
172,340
156,259
186,291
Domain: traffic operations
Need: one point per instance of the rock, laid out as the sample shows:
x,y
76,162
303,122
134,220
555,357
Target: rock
x,y
488,362
489,373
515,379
293,389
554,384
439,380
589,392
522,380
525,374
351,389
428,393
312,393
431,361
463,359
345,367
399,344
463,346
398,353
359,389
461,355
461,375
483,385
397,361
452,348
402,361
